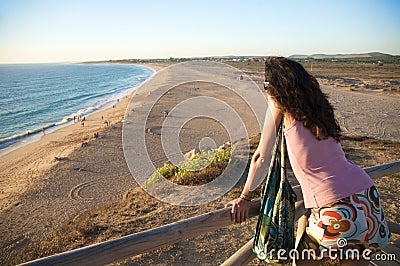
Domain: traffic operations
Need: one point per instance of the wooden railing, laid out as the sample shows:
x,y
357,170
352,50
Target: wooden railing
x,y
134,244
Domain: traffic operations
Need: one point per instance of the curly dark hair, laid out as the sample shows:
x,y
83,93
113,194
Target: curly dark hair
x,y
298,93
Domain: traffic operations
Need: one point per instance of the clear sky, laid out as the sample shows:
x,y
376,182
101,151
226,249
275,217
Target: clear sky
x,y
77,30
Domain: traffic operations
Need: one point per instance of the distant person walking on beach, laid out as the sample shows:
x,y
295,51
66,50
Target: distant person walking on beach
x,y
43,131
343,200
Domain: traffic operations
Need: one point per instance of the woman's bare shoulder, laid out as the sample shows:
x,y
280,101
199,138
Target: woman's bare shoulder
x,y
289,119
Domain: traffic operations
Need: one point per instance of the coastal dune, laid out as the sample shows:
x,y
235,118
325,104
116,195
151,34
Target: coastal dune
x,y
53,181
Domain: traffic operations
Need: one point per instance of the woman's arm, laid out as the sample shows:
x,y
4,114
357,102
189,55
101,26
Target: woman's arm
x,y
262,157
259,163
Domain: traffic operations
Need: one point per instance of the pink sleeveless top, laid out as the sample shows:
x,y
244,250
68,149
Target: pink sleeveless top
x,y
320,166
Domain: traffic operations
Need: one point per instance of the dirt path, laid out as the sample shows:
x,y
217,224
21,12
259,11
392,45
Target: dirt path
x,y
369,114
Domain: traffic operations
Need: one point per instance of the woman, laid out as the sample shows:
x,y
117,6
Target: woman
x,y
343,201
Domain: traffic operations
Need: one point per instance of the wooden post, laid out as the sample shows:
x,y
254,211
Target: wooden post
x,y
245,254
383,169
134,244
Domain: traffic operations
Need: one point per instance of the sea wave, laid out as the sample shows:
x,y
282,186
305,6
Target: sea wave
x,y
105,100
5,142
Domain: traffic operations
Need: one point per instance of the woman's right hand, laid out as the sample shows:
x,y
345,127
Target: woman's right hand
x,y
240,209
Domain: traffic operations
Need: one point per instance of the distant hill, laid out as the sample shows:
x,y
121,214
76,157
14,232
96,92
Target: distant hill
x,y
322,56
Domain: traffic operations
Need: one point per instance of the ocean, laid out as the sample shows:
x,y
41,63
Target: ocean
x,y
36,96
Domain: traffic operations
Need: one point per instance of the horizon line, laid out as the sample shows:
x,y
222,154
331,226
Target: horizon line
x,y
190,57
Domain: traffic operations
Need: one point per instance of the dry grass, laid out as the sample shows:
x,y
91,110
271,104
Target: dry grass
x,y
201,177
137,211
333,69
357,76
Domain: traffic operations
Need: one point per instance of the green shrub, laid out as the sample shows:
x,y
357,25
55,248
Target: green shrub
x,y
197,165
168,170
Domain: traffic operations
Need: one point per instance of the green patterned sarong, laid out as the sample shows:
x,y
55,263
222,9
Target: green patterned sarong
x,y
275,226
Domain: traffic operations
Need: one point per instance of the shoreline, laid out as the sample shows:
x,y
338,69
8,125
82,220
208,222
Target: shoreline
x,y
22,139
25,164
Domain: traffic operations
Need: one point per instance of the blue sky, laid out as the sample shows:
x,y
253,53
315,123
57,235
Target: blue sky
x,y
76,30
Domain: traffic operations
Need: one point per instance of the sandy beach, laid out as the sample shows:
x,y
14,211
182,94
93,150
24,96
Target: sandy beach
x,y
26,165
57,181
